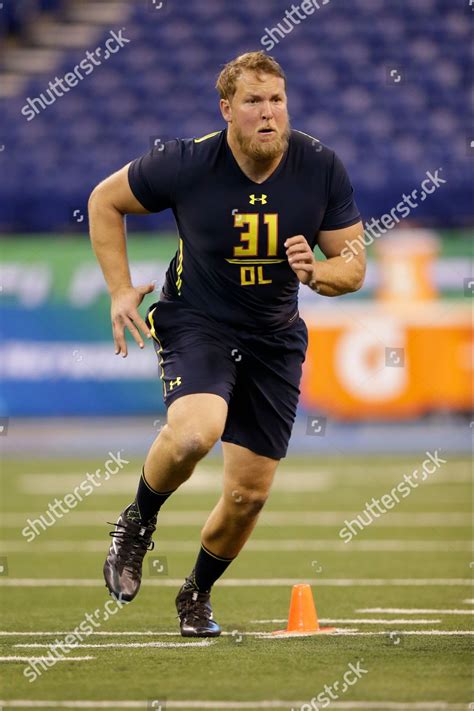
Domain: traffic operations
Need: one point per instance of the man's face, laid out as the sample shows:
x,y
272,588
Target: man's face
x,y
258,115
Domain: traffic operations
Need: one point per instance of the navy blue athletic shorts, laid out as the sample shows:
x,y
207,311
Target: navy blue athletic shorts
x,y
258,375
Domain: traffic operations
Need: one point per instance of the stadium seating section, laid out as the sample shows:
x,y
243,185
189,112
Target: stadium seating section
x,y
338,61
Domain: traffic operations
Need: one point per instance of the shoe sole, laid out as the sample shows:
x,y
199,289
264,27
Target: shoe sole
x,y
209,634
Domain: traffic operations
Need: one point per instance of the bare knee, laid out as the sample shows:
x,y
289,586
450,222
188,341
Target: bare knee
x,y
190,446
247,503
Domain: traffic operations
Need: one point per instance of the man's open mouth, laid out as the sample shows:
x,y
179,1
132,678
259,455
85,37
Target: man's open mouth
x,y
266,130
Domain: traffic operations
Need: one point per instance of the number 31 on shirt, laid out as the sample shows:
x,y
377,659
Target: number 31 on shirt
x,y
248,250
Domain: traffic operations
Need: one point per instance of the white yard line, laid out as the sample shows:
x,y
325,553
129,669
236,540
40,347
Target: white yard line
x,y
357,633
414,519
359,621
209,480
63,633
160,633
414,611
338,632
117,645
244,582
203,481
42,659
262,704
136,645
293,545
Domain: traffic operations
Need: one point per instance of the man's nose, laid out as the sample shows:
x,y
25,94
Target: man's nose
x,y
267,111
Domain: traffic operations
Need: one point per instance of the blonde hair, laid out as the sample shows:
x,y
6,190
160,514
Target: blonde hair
x,y
259,62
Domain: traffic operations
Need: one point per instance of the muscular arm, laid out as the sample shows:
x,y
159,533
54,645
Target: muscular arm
x,y
109,202
337,274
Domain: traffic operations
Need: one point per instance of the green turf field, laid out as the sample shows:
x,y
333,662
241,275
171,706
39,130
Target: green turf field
x,y
399,593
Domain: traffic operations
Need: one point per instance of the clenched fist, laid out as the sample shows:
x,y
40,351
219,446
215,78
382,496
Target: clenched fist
x,y
301,258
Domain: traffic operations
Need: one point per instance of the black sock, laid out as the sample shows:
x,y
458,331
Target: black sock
x,y
148,501
209,567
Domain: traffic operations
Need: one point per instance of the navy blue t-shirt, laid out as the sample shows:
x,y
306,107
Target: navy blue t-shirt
x,y
231,262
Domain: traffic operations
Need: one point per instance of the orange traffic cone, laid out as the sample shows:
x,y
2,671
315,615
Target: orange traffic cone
x,y
302,618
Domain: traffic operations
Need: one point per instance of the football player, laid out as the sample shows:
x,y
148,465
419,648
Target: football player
x,y
251,202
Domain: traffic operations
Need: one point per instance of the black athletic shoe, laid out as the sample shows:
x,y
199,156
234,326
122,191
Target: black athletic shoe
x,y
195,612
123,565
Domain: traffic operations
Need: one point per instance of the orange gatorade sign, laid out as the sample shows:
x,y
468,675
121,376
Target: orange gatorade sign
x,y
375,361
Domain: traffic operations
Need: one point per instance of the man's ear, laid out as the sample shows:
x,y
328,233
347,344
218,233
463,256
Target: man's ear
x,y
226,110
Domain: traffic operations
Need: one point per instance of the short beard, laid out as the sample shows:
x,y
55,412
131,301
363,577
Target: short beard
x,y
263,152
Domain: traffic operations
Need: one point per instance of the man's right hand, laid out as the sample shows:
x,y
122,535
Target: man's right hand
x,y
124,314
